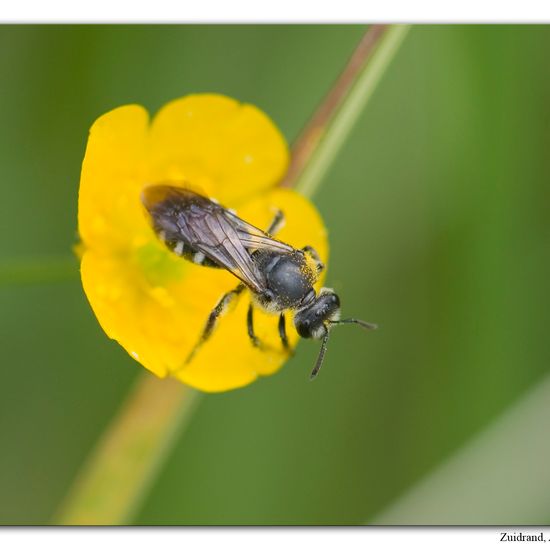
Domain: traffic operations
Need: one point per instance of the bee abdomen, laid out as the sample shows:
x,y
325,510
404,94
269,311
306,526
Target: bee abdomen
x,y
182,249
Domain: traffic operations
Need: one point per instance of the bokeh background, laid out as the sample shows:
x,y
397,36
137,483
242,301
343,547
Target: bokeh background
x,y
438,211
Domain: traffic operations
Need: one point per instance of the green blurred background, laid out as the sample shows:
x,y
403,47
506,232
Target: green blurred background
x,y
438,211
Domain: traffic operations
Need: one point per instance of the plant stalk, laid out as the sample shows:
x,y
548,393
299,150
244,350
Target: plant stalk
x,y
130,453
499,477
320,142
27,271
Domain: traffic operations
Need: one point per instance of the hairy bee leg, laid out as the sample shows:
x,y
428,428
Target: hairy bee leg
x,y
313,253
282,332
277,223
250,327
220,308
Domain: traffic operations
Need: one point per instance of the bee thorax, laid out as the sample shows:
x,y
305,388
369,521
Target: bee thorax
x,y
288,280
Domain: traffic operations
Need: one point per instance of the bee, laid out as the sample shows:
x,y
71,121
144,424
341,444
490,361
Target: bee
x,y
279,277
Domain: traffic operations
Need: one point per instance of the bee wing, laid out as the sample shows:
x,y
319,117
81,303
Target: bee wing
x,y
256,239
213,234
206,227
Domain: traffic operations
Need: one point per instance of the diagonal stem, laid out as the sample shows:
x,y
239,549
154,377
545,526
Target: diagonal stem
x,y
323,137
499,477
315,129
130,454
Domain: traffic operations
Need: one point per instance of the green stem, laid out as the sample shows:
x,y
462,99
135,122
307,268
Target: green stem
x,y
114,482
347,113
38,270
500,477
128,457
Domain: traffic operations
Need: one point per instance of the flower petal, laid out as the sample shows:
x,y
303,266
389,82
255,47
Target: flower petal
x,y
226,149
110,215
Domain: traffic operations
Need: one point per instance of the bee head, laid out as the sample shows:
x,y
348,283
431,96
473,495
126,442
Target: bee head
x,y
311,321
315,320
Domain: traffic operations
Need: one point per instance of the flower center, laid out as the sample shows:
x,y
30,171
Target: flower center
x,y
158,264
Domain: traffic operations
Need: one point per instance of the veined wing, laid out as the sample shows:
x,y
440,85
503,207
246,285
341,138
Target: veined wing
x,y
254,238
203,226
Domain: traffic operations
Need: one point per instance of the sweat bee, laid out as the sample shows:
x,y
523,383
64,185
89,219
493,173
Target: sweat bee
x,y
278,276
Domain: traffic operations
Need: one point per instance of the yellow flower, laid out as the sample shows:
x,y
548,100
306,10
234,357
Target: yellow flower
x,y
154,303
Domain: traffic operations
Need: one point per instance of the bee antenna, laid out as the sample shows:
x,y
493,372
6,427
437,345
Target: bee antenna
x,y
320,357
323,350
363,324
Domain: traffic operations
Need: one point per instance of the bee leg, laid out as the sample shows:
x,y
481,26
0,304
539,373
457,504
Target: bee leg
x,y
277,223
313,253
282,332
250,327
220,308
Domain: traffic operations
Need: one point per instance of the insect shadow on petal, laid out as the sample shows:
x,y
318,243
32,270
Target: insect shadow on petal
x,y
279,277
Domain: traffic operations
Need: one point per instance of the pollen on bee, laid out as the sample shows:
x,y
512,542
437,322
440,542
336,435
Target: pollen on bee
x,y
308,269
178,249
